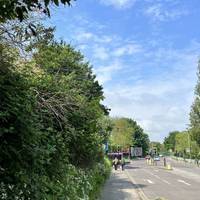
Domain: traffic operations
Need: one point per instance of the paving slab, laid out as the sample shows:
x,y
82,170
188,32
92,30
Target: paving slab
x,y
119,187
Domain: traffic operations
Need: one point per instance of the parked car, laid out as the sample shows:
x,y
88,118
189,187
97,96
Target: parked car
x,y
156,158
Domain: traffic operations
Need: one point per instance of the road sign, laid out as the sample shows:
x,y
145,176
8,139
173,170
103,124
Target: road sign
x,y
136,151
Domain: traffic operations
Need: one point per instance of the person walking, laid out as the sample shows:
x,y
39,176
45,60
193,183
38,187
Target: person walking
x,y
165,163
115,162
123,163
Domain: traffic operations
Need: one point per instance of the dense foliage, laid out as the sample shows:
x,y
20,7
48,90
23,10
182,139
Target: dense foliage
x,y
186,146
195,111
182,144
157,146
170,140
20,9
187,143
126,132
50,113
122,133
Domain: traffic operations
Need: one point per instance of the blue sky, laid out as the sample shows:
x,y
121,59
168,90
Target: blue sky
x,y
144,52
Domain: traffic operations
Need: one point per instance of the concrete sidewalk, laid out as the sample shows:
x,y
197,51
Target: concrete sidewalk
x,y
119,187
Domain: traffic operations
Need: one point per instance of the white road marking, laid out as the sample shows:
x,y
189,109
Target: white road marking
x,y
156,176
166,182
149,181
182,181
163,180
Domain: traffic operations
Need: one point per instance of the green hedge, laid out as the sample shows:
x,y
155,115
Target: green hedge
x,y
83,184
77,184
50,139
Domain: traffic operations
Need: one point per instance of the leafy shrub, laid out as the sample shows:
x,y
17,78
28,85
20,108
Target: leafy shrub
x,y
49,138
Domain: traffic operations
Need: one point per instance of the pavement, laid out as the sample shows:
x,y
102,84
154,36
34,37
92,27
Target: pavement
x,y
141,181
119,187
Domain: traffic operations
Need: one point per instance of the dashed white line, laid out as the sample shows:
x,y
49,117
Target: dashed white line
x,y
182,181
156,176
166,182
149,181
163,180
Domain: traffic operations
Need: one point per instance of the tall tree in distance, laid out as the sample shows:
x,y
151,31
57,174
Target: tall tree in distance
x,y
195,111
140,139
121,133
170,141
182,143
126,132
157,145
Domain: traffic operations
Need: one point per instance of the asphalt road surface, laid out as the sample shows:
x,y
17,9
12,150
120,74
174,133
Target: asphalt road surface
x,y
181,183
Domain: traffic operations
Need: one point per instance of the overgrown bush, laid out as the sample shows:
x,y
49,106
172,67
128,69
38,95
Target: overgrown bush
x,y
50,141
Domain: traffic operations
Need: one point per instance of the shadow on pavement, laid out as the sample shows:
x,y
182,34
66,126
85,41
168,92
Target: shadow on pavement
x,y
126,184
131,167
139,185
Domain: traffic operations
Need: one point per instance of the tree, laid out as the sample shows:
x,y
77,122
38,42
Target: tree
x,y
195,132
105,126
21,152
182,143
126,132
122,133
156,145
50,108
21,9
16,34
195,149
69,98
170,140
195,111
140,139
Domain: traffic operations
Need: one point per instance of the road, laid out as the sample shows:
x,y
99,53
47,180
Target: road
x,y
181,183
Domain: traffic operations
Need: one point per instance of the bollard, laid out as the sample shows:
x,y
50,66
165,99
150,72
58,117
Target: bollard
x,y
169,167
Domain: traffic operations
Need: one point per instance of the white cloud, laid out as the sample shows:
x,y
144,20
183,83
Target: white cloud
x,y
82,46
119,4
155,106
156,85
127,49
159,12
82,36
103,39
105,73
100,52
160,103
